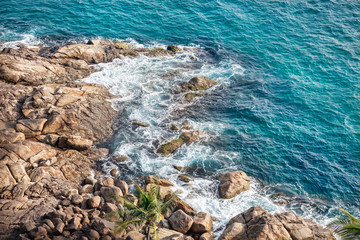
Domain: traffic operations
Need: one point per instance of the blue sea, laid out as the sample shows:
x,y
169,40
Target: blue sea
x,y
287,110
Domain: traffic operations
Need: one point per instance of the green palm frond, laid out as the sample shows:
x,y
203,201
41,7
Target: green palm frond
x,y
347,227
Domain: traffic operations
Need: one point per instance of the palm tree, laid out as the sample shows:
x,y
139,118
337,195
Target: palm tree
x,y
347,227
148,212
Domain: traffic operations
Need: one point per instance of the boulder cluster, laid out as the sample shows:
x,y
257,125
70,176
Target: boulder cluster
x,y
50,185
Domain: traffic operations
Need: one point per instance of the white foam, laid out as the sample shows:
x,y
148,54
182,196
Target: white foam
x,y
145,95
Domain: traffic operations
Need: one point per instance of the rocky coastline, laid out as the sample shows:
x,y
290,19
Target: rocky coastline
x,y
51,185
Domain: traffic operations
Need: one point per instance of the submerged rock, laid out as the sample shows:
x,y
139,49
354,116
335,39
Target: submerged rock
x,y
185,138
198,83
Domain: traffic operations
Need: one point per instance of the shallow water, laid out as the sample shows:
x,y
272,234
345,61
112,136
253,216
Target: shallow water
x,y
286,112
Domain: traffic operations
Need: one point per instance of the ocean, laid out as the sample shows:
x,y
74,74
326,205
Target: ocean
x,y
286,111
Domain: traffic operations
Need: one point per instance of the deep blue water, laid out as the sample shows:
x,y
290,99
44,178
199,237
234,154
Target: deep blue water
x,y
291,120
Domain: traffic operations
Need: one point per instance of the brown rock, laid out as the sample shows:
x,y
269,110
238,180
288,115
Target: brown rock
x,y
164,191
74,142
109,207
198,83
94,202
235,231
7,136
111,193
76,199
301,229
31,127
167,234
123,186
202,223
233,183
180,221
93,235
134,235
158,181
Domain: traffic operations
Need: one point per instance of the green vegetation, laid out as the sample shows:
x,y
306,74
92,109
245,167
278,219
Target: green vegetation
x,y
347,227
148,212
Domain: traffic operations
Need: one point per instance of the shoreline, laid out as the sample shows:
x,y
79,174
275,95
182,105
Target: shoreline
x,y
43,97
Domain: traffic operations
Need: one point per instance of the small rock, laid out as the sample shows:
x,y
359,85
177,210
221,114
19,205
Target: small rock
x,y
93,235
180,221
114,172
109,207
174,48
94,202
205,236
202,223
185,178
122,185
134,235
76,199
121,158
158,181
110,194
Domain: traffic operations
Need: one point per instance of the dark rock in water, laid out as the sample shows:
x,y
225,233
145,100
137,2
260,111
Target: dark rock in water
x,y
158,181
185,178
140,124
233,183
121,158
158,52
185,138
198,83
174,48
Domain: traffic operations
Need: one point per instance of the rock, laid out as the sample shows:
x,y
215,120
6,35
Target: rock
x,y
93,235
122,185
167,234
175,144
74,142
31,127
96,153
198,83
107,181
111,194
185,178
76,199
174,48
202,223
51,139
134,235
121,158
184,206
7,136
140,124
256,223
109,207
205,236
66,99
94,202
234,232
75,223
114,172
165,192
123,45
233,183
180,221
301,229
158,181
158,52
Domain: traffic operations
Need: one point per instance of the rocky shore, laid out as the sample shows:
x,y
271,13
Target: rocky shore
x,y
51,185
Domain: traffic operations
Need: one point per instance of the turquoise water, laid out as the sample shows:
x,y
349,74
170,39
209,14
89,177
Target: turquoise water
x,y
288,110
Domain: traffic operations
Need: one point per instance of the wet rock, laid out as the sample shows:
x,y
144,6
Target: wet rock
x,y
114,172
96,153
185,138
180,221
123,45
233,183
158,52
121,158
140,124
158,181
185,178
198,83
202,223
174,48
